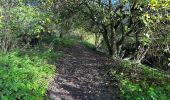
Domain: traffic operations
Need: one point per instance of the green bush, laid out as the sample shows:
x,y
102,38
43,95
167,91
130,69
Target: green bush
x,y
88,45
143,91
68,42
45,53
139,82
23,77
65,41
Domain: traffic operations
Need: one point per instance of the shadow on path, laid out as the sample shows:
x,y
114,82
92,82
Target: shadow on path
x,y
83,75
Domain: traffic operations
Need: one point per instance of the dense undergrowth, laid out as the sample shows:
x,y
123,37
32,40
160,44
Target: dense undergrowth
x,y
139,82
24,77
25,74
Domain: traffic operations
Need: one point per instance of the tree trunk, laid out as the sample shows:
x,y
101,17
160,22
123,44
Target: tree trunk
x,y
137,40
105,37
112,36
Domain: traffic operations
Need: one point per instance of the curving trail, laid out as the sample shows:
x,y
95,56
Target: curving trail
x,y
83,75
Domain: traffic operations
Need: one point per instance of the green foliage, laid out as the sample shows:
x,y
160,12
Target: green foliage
x,y
88,45
143,91
139,82
24,77
21,20
68,42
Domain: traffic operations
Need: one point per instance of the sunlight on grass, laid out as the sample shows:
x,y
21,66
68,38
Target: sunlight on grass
x,y
24,77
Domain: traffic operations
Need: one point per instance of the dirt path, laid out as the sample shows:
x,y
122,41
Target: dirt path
x,y
82,75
